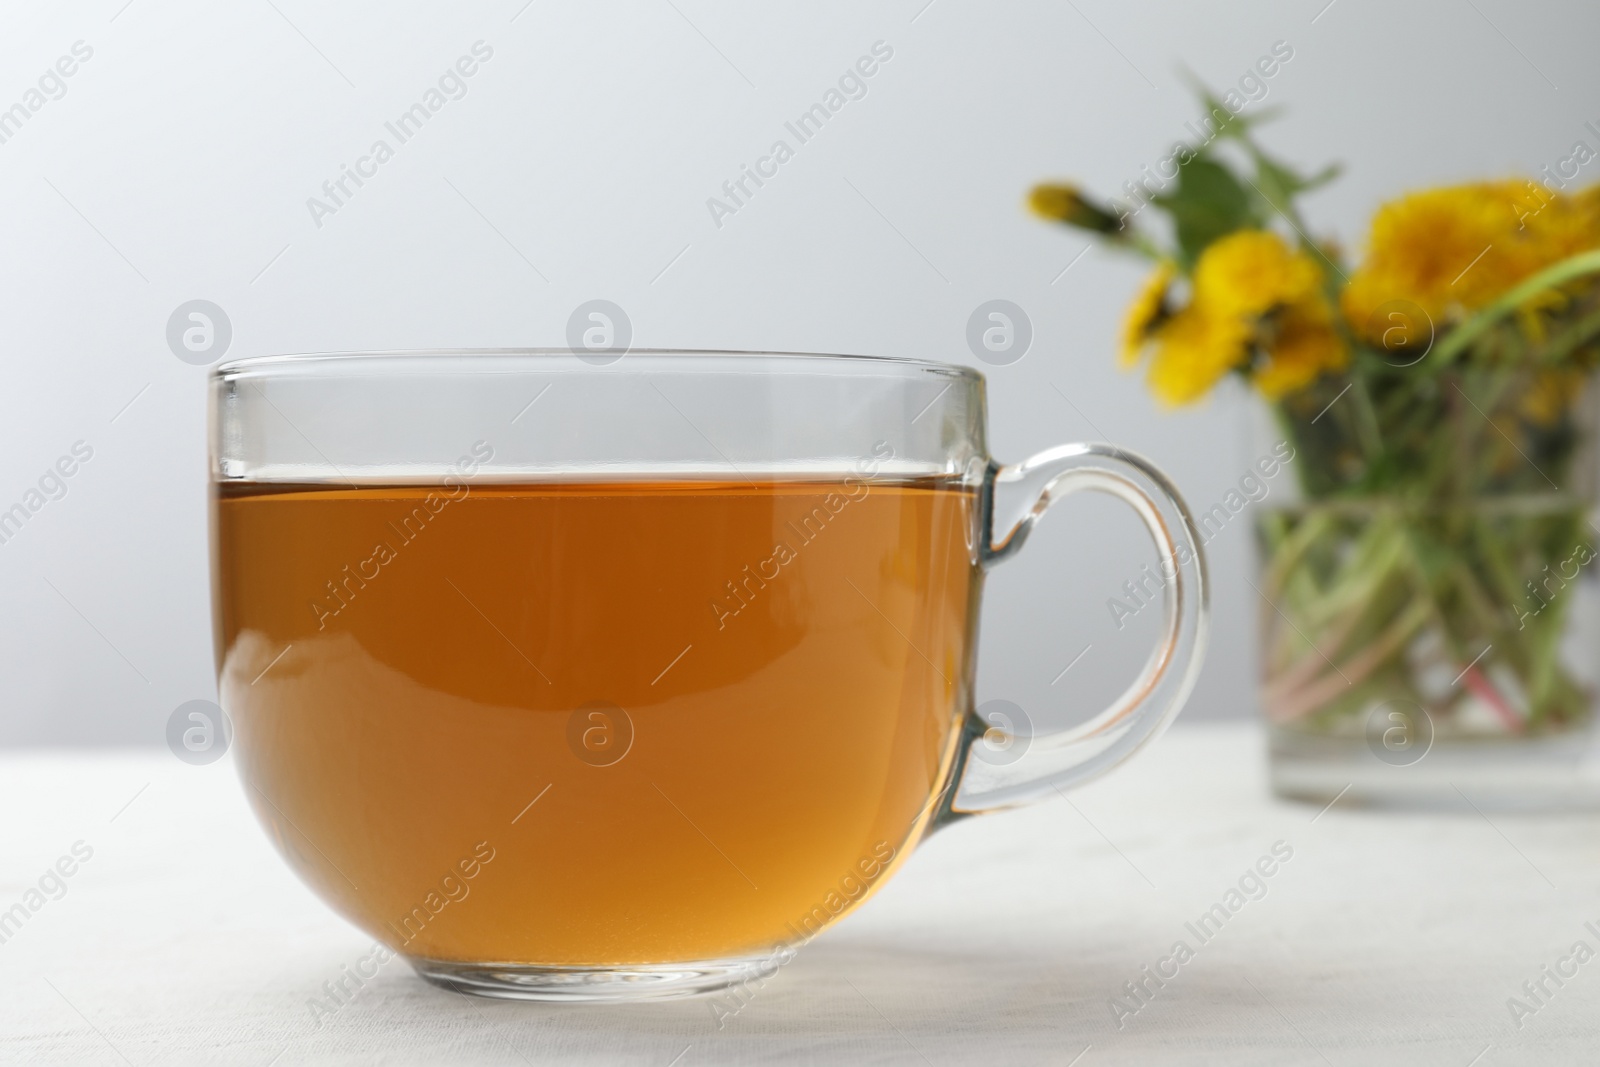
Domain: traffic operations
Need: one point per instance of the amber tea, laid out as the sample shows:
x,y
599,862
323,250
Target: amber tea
x,y
612,723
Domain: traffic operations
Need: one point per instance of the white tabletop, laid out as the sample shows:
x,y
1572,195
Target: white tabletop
x,y
1383,938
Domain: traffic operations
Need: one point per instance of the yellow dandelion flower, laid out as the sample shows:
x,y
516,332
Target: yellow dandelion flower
x,y
1305,346
1557,226
1249,272
1560,225
1146,311
1194,350
1066,203
1587,203
1251,292
1452,250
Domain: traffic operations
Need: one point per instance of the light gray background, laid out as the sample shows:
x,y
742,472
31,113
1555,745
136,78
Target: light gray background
x,y
178,164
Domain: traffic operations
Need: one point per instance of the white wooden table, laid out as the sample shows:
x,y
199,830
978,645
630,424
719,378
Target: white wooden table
x,y
1382,939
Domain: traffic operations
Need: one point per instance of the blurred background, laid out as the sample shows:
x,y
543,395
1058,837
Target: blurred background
x,y
176,163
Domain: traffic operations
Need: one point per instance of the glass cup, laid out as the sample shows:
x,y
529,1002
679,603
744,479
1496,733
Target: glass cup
x,y
595,677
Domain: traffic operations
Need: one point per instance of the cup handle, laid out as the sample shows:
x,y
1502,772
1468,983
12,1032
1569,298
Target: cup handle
x,y
1051,762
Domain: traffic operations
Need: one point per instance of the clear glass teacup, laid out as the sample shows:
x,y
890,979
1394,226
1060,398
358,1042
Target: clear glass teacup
x,y
579,678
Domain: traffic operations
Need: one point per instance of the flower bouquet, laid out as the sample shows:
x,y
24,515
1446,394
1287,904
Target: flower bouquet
x,y
1424,589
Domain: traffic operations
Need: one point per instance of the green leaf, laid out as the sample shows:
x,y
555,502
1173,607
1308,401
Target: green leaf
x,y
1280,184
1208,203
1321,177
1229,123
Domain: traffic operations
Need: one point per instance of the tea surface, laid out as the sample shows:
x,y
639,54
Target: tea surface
x,y
594,723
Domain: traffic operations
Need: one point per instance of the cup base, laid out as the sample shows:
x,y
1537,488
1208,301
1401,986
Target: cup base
x,y
645,981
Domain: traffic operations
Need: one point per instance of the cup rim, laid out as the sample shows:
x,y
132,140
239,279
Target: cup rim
x,y
289,362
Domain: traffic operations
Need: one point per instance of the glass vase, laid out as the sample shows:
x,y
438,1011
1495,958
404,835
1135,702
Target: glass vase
x,y
1436,644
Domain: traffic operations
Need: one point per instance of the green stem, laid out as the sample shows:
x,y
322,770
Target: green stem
x,y
1366,419
1563,345
1557,274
